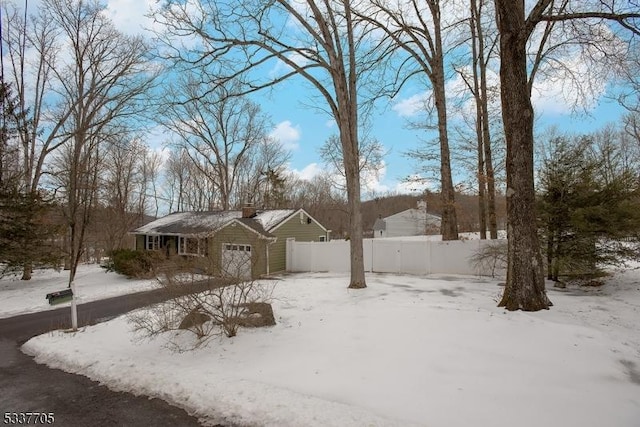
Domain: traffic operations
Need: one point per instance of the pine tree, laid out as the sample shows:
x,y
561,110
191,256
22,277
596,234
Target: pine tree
x,y
27,232
587,209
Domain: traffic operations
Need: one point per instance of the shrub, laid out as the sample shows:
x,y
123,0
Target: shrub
x,y
213,307
134,264
490,258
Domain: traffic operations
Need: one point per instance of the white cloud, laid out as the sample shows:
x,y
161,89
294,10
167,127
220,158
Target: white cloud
x,y
308,172
577,85
287,134
282,68
129,16
413,184
411,106
577,75
371,182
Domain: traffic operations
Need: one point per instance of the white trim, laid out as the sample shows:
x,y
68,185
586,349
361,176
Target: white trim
x,y
152,243
200,251
241,247
323,238
284,221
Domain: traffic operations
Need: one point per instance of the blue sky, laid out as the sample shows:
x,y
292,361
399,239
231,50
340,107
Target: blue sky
x,y
302,129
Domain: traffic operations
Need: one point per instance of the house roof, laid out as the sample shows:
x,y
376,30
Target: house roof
x,y
193,223
415,213
380,224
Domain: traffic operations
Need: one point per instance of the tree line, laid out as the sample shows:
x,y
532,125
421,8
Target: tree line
x,y
80,96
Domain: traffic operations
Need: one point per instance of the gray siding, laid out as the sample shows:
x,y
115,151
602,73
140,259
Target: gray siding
x,y
412,222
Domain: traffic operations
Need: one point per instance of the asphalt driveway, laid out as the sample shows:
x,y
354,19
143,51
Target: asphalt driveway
x,y
26,386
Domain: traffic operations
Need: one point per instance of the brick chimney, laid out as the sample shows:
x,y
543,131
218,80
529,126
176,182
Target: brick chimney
x,y
248,210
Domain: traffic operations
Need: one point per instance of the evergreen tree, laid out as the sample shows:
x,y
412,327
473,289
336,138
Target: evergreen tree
x,y
587,208
27,231
275,194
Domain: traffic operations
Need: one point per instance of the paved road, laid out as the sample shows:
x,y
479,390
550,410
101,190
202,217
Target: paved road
x,y
75,400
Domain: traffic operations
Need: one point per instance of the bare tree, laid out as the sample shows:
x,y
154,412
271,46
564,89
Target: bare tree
x,y
216,130
262,170
32,46
123,190
629,74
316,40
322,200
482,50
525,287
100,82
151,172
177,179
418,31
371,160
10,168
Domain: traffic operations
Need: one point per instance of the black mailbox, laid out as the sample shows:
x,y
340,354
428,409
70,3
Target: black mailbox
x,y
60,296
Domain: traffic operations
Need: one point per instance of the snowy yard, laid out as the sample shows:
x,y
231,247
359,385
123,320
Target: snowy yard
x,y
432,351
92,283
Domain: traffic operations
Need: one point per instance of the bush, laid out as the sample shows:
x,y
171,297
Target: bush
x,y
490,258
216,307
134,264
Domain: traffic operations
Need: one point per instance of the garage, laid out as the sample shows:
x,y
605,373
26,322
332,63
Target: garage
x,y
236,260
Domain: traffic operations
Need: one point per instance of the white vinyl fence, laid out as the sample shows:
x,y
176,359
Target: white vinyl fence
x,y
391,256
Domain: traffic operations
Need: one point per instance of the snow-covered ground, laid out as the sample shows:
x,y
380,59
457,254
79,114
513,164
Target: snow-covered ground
x,y
432,351
92,283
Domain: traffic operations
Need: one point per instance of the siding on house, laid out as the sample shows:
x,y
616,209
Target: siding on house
x,y
411,222
266,232
295,227
235,233
140,242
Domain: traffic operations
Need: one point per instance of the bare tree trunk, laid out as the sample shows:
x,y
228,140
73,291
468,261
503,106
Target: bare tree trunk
x,y
345,84
489,175
525,288
421,38
474,24
449,224
482,211
357,280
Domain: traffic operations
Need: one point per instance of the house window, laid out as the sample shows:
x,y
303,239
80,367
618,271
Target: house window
x,y
323,238
240,248
191,246
152,243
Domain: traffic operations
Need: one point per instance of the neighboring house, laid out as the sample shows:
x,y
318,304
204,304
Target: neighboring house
x,y
246,243
411,222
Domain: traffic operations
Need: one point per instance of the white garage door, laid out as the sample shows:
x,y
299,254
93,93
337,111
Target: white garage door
x,y
236,260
